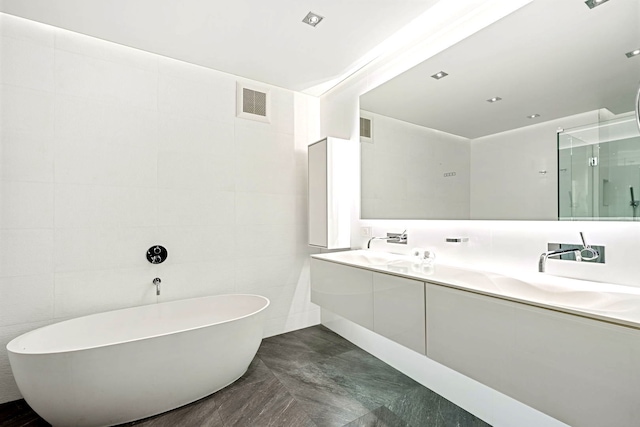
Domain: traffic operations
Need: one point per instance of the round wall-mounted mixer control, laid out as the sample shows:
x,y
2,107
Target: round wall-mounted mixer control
x,y
157,254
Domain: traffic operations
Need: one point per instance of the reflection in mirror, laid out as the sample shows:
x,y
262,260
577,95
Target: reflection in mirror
x,y
599,170
484,141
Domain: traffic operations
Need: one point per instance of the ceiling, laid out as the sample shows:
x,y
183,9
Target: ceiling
x,y
263,40
552,58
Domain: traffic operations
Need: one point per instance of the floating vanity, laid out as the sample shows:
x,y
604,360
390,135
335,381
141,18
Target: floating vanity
x,y
569,348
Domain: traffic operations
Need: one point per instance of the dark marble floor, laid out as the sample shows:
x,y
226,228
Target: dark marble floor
x,y
310,377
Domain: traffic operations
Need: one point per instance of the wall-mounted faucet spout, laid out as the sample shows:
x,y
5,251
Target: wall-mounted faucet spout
x,y
156,282
391,238
584,253
550,254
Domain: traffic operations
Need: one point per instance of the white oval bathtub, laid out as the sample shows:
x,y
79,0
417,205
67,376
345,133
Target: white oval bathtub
x,y
123,365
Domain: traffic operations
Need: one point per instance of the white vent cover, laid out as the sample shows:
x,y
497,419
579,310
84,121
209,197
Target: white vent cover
x,y
366,127
253,103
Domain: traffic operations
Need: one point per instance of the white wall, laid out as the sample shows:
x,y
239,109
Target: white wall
x,y
404,173
107,150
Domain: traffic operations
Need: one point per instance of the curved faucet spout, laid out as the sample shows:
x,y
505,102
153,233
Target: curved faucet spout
x,y
550,254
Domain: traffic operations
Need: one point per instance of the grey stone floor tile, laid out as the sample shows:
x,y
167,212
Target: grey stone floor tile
x,y
367,379
262,404
299,348
202,413
19,414
423,407
323,399
380,417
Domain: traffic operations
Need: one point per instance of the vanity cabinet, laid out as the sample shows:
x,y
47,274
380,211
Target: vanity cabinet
x,y
388,305
344,290
581,371
399,310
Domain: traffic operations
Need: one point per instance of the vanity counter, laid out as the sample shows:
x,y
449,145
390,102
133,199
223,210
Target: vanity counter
x,y
617,304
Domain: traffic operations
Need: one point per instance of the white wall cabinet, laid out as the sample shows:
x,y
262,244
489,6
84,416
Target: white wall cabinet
x,y
331,192
581,371
399,310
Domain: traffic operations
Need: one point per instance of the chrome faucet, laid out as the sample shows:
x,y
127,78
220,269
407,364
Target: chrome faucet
x,y
578,252
156,282
550,254
391,238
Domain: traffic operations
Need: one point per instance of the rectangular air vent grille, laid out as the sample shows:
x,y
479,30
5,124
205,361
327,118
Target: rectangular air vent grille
x,y
365,127
254,102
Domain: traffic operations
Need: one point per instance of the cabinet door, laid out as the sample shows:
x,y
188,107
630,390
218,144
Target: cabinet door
x,y
347,291
318,196
581,371
399,310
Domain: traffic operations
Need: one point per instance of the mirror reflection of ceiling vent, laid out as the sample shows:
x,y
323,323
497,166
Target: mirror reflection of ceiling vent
x,y
254,103
366,129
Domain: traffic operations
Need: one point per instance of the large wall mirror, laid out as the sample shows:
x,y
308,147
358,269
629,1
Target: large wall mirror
x,y
532,118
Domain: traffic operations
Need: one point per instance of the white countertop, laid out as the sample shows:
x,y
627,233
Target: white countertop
x,y
608,302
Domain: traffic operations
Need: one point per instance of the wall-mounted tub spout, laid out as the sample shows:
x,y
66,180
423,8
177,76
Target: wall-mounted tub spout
x,y
156,282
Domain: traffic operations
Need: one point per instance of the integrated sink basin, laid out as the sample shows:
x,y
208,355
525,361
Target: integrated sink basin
x,y
604,301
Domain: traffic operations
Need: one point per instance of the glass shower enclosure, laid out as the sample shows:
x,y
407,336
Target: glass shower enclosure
x,y
599,171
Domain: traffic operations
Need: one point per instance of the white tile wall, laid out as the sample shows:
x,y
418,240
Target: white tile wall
x,y
108,150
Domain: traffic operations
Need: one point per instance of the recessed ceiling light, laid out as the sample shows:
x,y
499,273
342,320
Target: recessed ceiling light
x,y
439,75
594,3
494,99
312,19
533,116
633,53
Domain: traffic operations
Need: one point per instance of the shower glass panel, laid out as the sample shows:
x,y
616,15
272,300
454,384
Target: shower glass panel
x,y
599,171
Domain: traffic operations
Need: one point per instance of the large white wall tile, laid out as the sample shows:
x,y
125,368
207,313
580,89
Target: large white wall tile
x,y
80,206
253,174
265,208
265,240
178,169
193,280
88,77
26,64
102,49
79,163
26,299
86,292
197,244
195,207
26,205
256,269
196,135
26,252
97,124
26,110
206,97
264,144
26,156
103,248
23,29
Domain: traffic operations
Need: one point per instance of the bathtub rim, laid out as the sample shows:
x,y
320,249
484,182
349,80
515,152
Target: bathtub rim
x,y
14,342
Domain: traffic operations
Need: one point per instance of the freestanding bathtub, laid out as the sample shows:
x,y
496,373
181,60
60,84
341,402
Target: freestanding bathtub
x,y
123,365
